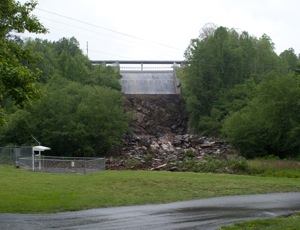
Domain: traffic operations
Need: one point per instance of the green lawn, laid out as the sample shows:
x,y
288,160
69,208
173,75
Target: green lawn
x,y
27,192
280,223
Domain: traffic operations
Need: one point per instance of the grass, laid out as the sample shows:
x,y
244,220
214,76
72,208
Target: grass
x,y
292,223
27,192
275,168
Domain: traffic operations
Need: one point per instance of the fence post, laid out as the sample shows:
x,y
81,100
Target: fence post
x,y
33,159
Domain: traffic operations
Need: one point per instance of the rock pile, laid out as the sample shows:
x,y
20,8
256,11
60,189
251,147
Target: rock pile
x,y
152,153
157,115
158,139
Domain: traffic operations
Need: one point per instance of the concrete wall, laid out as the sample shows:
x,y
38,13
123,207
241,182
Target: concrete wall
x,y
144,82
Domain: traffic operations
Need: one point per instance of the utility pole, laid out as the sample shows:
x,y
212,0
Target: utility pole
x,y
87,49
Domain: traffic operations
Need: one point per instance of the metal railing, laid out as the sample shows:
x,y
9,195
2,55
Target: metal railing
x,y
146,68
140,65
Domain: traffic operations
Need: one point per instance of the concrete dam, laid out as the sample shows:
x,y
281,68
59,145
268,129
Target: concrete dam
x,y
146,77
149,83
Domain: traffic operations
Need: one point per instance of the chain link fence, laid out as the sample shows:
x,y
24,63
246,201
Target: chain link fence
x,y
55,164
21,157
10,155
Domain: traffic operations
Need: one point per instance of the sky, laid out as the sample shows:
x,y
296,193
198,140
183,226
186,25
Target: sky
x,y
162,29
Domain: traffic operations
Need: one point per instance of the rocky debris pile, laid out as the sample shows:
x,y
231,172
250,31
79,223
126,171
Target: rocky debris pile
x,y
157,115
162,153
158,139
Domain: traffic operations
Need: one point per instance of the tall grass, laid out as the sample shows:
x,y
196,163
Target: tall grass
x,y
275,168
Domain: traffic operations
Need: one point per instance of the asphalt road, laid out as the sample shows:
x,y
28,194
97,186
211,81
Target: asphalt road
x,y
198,214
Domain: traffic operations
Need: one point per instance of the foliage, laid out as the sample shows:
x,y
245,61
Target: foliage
x,y
62,57
289,60
270,123
213,165
219,60
271,166
81,113
17,82
73,119
148,158
236,85
106,76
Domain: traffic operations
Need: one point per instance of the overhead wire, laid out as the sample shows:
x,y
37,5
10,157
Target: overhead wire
x,y
142,46
171,48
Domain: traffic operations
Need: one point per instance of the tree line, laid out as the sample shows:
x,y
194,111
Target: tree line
x,y
80,111
236,86
50,90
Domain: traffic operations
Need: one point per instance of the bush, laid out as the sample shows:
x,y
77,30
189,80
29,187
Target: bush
x,y
270,123
215,165
74,119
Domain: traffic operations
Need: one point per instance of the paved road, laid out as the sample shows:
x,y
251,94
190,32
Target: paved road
x,y
200,214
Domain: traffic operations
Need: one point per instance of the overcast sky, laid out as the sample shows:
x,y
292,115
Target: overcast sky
x,y
162,29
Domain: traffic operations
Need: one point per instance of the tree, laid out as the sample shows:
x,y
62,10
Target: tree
x,y
46,57
74,119
17,81
107,76
289,59
218,60
270,123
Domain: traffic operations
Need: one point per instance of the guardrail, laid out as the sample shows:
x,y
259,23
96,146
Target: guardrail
x,y
146,68
131,62
143,65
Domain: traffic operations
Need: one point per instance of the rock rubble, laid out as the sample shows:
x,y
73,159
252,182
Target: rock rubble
x,y
162,153
159,137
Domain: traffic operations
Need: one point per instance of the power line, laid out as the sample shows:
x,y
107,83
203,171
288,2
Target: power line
x,y
110,30
96,32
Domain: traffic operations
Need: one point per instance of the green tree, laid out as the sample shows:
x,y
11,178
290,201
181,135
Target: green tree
x,y
65,58
46,57
74,119
270,123
218,60
289,60
17,81
107,76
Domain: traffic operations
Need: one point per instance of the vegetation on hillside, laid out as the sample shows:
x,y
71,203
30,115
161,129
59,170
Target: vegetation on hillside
x,y
81,112
17,82
236,86
80,106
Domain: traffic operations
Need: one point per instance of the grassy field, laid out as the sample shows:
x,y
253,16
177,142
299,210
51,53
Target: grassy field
x,y
280,223
27,192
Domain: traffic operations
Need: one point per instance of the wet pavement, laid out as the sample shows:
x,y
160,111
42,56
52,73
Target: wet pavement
x,y
198,214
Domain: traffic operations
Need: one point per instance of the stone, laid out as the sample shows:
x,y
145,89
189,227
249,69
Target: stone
x,y
161,134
